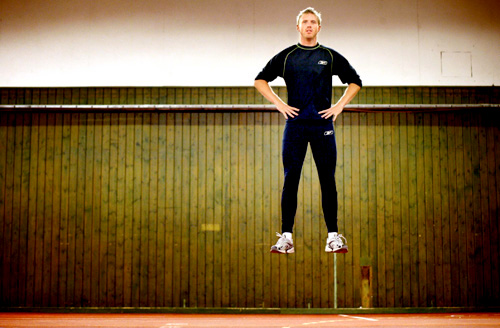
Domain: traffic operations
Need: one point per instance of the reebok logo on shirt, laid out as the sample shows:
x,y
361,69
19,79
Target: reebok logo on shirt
x,y
323,62
329,133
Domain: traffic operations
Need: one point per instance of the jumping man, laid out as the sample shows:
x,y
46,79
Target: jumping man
x,y
307,69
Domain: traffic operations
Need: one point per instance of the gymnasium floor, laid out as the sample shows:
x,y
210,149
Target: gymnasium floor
x,y
249,320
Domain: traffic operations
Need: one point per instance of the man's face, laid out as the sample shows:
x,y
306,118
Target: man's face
x,y
308,26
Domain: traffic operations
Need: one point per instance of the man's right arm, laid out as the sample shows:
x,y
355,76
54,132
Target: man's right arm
x,y
263,87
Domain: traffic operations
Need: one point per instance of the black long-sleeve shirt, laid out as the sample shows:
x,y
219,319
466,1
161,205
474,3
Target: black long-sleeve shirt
x,y
308,72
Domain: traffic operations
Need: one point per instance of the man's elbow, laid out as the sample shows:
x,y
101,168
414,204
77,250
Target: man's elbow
x,y
259,83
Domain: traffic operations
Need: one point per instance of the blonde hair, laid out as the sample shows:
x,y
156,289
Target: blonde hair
x,y
309,10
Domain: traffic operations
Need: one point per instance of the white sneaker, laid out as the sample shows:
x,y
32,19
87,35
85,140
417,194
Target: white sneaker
x,y
284,245
336,245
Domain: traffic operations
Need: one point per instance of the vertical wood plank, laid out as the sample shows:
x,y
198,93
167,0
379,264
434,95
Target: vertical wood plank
x,y
24,210
248,217
453,173
428,168
146,270
241,223
267,218
209,253
162,219
396,210
381,224
372,200
152,179
413,210
225,129
388,209
108,294
194,205
185,201
427,183
258,195
171,185
97,206
437,243
40,215
88,211
421,211
7,208
55,125
404,216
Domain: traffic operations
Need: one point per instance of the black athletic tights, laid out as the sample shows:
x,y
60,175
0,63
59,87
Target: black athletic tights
x,y
320,135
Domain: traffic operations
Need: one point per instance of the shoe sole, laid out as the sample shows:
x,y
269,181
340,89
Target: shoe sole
x,y
341,250
289,251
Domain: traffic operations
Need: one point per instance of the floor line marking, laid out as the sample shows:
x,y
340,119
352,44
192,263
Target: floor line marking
x,y
360,318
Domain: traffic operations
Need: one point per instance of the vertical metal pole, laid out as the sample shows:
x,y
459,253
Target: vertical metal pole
x,y
334,280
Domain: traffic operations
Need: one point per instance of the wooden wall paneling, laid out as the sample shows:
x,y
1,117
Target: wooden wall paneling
x,y
161,220
371,163
435,210
184,203
192,178
172,185
234,264
493,163
362,219
241,210
427,206
445,207
355,182
225,159
99,204
248,217
414,237
54,220
141,199
112,205
479,258
23,217
209,285
256,197
453,172
204,213
6,205
380,218
119,151
403,173
364,200
4,95
466,191
264,186
177,196
88,210
39,211
275,186
480,194
397,201
348,144
109,215
128,203
420,211
486,198
70,144
388,206
282,267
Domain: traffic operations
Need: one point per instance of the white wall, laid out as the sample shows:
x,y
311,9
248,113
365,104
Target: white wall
x,y
226,42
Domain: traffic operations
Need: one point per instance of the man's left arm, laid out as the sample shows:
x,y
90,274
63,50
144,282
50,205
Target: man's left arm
x,y
351,91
